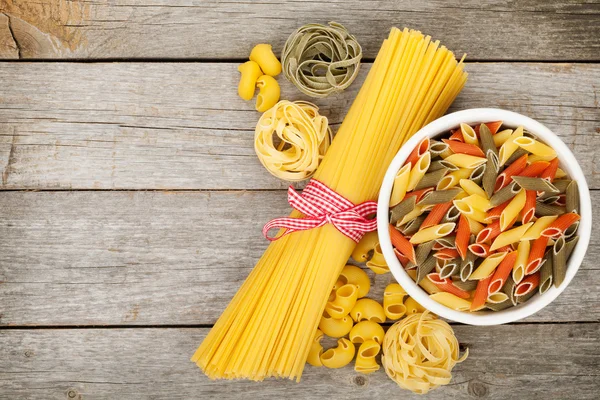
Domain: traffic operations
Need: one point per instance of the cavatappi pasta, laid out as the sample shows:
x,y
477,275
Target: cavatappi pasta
x,y
512,217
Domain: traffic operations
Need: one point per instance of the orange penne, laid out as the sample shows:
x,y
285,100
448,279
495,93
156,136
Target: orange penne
x,y
529,208
403,259
464,148
436,214
528,284
562,200
513,169
560,224
550,171
480,249
534,169
418,151
481,293
402,244
418,194
502,272
536,253
489,232
495,212
446,254
463,233
457,136
503,249
492,126
446,285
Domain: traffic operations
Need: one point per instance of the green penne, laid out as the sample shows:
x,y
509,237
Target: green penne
x,y
537,184
467,286
543,209
500,306
426,267
404,207
525,297
447,242
431,179
439,164
572,197
486,140
559,260
422,251
467,266
516,155
509,289
488,179
412,226
546,273
451,215
436,148
570,246
571,230
562,184
477,174
504,194
439,196
449,269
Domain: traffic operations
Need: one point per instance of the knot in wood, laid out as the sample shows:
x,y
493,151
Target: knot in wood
x,y
477,389
72,393
360,380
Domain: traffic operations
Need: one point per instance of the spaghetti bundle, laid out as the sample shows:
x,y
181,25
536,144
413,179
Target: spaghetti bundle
x,y
268,328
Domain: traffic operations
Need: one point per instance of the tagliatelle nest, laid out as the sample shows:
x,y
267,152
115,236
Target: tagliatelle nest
x,y
291,138
419,352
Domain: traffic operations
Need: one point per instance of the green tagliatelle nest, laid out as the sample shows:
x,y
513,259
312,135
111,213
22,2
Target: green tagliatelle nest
x,y
321,60
419,352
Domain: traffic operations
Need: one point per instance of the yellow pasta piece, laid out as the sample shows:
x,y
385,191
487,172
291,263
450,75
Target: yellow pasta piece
x,y
365,357
469,134
538,226
560,174
497,297
412,307
471,188
340,356
393,301
478,202
535,147
535,158
475,226
268,94
418,210
488,266
345,299
356,276
509,147
367,310
425,284
366,330
451,301
501,137
263,55
466,160
250,73
453,178
365,246
417,172
400,185
510,236
512,210
316,350
432,233
518,272
470,212
333,327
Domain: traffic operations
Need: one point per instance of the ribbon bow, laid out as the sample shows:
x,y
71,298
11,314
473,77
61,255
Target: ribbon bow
x,y
321,206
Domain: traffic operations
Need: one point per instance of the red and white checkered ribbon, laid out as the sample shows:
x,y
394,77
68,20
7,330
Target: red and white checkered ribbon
x,y
321,206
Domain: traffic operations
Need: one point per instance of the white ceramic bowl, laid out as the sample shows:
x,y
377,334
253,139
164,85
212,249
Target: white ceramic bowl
x,y
567,162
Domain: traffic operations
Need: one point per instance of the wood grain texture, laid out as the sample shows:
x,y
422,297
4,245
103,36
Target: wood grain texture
x,y
154,364
155,258
212,29
182,125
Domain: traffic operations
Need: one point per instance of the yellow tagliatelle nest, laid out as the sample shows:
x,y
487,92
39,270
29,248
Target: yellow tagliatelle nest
x,y
419,352
291,138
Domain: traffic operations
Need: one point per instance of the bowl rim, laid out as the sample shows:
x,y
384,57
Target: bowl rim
x,y
568,163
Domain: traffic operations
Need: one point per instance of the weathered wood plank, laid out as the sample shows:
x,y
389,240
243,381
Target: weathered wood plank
x,y
138,258
514,361
531,30
182,126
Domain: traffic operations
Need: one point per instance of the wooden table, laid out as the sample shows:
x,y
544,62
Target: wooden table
x,y
132,200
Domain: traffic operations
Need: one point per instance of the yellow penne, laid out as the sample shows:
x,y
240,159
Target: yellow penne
x,y
535,147
425,284
469,134
400,185
518,271
451,301
488,266
453,178
501,137
461,195
498,297
538,226
512,210
417,172
432,233
418,210
475,226
535,158
469,211
560,174
478,202
509,147
466,160
510,236
472,188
